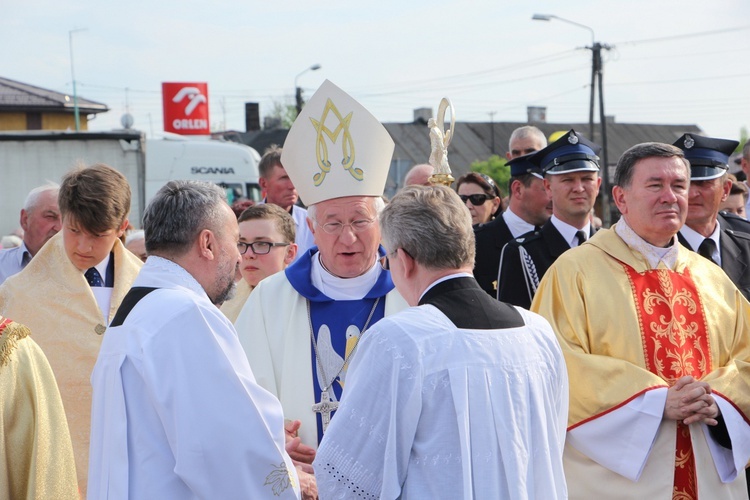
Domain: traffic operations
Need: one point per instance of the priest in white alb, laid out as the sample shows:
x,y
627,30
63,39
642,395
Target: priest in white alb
x,y
176,411
459,396
299,328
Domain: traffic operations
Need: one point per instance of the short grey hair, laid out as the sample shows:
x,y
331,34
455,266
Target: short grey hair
x,y
527,131
628,160
33,197
377,205
746,150
179,211
432,225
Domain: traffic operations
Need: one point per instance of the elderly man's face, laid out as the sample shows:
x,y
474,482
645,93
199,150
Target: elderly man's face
x,y
655,203
351,248
704,199
41,222
523,146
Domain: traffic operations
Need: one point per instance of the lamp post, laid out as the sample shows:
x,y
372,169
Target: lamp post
x,y
73,74
298,89
597,70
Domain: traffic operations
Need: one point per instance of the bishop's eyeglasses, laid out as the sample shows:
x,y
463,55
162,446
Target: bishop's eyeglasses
x,y
338,227
259,247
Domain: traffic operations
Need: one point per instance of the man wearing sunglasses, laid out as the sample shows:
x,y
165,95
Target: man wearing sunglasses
x,y
529,207
571,177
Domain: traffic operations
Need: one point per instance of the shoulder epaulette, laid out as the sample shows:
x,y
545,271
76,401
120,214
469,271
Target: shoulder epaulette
x,y
10,333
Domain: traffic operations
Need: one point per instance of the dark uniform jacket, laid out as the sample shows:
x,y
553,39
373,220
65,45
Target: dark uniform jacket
x,y
490,238
734,247
525,260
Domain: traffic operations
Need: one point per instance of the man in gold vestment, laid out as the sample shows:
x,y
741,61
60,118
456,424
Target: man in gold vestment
x,y
70,291
36,458
657,344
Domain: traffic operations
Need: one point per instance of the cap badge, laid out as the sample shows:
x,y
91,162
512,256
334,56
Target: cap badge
x,y
573,139
689,142
347,143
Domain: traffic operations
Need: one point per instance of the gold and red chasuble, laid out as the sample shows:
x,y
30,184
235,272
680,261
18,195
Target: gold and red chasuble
x,y
675,344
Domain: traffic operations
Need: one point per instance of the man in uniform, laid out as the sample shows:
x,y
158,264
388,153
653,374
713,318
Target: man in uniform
x,y
300,327
656,341
571,177
460,396
705,230
529,206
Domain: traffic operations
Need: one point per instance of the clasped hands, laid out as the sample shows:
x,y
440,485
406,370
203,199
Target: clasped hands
x,y
690,401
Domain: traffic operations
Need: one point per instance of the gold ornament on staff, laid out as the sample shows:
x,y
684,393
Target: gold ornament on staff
x,y
439,141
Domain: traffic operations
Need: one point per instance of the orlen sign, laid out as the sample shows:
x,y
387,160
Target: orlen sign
x,y
185,108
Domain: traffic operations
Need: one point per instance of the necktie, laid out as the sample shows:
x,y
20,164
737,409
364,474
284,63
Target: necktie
x,y
581,237
25,259
93,277
707,248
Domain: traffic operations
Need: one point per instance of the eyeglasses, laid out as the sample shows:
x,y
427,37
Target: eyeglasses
x,y
475,199
385,262
259,247
338,227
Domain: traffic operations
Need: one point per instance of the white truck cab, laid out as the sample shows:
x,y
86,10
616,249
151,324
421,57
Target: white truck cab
x,y
232,166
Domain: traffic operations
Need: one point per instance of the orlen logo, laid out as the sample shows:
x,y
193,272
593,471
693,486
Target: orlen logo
x,y
186,108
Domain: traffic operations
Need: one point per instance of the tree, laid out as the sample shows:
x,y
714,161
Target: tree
x,y
495,167
283,113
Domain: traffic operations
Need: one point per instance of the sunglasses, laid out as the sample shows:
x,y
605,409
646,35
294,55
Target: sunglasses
x,y
475,199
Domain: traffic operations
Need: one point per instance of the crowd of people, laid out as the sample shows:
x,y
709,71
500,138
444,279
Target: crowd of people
x,y
441,344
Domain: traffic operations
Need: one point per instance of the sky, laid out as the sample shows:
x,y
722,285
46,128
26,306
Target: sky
x,y
670,62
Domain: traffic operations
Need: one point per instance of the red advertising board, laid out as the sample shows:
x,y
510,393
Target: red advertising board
x,y
185,108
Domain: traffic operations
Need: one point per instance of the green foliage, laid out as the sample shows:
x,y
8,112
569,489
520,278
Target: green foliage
x,y
743,139
495,167
285,112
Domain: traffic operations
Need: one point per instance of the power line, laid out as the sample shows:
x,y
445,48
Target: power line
x,y
686,35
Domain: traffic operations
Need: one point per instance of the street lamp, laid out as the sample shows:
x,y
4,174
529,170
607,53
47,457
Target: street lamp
x,y
298,89
596,76
73,74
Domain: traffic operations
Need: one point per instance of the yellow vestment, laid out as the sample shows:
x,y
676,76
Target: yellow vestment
x,y
231,308
36,457
587,297
53,299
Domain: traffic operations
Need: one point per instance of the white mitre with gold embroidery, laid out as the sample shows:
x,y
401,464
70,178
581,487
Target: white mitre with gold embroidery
x,y
336,148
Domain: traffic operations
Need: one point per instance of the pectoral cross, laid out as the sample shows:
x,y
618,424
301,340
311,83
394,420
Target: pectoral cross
x,y
325,407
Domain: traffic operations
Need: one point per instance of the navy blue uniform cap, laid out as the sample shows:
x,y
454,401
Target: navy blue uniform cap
x,y
520,165
570,153
708,156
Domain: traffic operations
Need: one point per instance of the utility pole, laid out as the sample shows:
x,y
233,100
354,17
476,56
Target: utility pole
x,y
492,130
597,73
73,74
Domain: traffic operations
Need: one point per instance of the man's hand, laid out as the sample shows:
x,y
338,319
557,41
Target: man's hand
x,y
690,400
294,447
307,485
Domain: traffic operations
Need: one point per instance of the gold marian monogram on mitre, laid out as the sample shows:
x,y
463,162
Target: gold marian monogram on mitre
x,y
347,143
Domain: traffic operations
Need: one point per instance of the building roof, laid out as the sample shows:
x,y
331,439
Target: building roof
x,y
473,141
17,96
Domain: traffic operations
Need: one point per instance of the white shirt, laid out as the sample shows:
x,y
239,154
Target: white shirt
x,y
12,261
517,225
176,412
568,232
103,294
695,239
431,411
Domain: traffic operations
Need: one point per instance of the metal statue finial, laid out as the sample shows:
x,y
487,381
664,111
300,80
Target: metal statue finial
x,y
439,141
